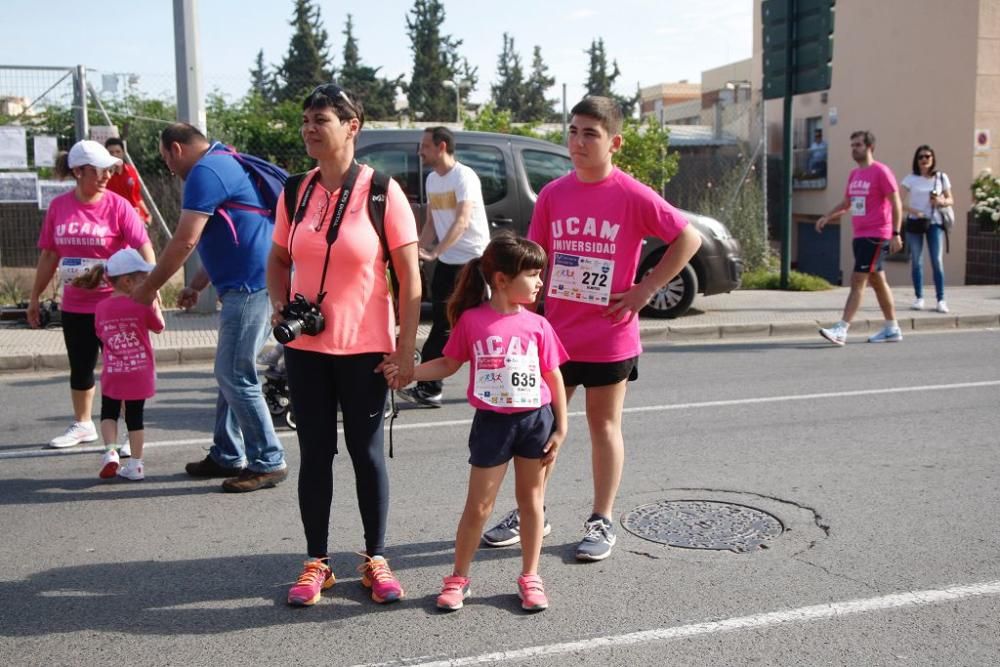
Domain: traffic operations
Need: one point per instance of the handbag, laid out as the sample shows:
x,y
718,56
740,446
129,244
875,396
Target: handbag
x,y
946,214
915,225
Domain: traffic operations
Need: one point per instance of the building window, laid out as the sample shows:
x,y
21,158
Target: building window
x,y
810,155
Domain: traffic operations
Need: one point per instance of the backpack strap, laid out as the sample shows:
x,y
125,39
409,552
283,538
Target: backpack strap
x,y
292,196
376,208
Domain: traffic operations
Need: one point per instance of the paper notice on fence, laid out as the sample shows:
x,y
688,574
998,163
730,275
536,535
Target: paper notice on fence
x,y
49,190
45,151
18,188
13,147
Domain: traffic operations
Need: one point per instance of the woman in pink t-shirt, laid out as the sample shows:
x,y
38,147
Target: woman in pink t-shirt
x,y
82,228
128,373
517,389
340,275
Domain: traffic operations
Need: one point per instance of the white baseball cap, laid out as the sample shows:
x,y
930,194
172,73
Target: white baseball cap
x,y
92,153
126,261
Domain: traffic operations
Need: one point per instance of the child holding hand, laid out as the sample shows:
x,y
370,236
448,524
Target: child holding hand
x,y
517,390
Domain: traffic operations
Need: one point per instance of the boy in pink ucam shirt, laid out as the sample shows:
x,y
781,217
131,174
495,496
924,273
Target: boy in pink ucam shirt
x,y
876,217
591,223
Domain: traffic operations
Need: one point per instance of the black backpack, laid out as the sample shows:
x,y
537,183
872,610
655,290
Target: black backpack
x,y
376,213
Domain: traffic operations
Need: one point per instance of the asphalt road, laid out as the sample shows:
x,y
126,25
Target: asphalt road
x,y
881,461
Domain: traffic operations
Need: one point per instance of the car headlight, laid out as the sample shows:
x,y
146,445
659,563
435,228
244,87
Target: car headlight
x,y
716,228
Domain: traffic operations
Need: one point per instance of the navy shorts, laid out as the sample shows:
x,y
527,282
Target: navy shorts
x,y
868,254
497,437
598,373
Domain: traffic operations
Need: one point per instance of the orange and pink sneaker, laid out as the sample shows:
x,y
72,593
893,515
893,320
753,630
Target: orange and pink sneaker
x,y
316,577
453,593
376,575
532,593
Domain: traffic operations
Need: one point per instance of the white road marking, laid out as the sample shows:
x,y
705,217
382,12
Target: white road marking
x,y
34,453
756,621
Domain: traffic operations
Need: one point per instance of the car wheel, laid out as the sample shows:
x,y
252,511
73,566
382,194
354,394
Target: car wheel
x,y
674,298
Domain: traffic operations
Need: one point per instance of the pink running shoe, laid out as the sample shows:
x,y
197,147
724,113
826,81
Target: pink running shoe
x,y
316,577
453,593
532,593
376,575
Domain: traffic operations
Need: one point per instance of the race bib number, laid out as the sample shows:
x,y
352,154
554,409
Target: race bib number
x,y
74,267
858,207
583,279
513,381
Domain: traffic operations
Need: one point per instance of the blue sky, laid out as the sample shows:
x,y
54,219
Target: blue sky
x,y
653,41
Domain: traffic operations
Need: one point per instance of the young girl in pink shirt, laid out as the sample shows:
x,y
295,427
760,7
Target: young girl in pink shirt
x,y
517,390
129,373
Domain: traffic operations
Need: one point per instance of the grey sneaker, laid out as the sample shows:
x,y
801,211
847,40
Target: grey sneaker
x,y
597,542
887,335
508,531
420,396
77,432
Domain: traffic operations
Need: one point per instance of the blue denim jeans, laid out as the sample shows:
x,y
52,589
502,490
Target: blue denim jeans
x,y
244,433
934,248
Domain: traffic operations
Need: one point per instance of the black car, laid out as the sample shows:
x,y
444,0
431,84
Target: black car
x,y
513,169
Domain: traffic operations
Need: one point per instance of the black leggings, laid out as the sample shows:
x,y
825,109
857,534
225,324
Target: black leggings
x,y
111,408
82,348
442,286
317,383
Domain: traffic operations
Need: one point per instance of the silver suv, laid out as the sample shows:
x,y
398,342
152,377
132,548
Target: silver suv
x,y
513,169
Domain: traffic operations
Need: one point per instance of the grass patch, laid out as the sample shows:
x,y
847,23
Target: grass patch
x,y
766,278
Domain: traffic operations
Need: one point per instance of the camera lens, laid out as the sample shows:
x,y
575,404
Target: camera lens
x,y
287,331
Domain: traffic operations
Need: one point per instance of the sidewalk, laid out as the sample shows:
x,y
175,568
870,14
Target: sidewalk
x,y
191,338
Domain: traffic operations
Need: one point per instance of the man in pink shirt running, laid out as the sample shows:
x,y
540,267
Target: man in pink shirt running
x,y
591,224
876,216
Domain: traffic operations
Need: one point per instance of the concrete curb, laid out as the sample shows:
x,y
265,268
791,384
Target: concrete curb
x,y
655,332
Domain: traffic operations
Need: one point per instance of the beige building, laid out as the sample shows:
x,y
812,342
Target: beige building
x,y
913,72
654,99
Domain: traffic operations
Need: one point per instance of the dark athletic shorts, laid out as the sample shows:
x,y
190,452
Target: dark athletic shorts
x,y
498,437
868,254
599,374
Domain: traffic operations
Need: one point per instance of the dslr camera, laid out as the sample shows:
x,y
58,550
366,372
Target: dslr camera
x,y
300,317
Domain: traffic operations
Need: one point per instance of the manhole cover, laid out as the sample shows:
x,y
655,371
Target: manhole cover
x,y
703,524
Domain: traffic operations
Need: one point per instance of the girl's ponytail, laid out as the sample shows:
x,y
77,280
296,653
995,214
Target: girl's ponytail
x,y
470,290
61,168
92,279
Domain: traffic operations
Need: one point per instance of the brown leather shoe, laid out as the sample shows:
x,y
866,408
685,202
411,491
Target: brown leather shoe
x,y
207,467
249,480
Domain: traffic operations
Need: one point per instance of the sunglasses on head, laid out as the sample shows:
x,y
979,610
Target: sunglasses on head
x,y
334,93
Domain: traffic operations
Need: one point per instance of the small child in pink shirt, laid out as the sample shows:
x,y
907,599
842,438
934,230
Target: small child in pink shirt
x,y
517,390
129,373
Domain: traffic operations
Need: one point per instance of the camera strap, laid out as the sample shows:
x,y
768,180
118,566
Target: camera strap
x,y
336,217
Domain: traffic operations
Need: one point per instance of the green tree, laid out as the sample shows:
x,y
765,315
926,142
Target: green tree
x,y
377,94
644,153
536,106
493,119
509,90
261,129
601,79
435,60
261,79
308,62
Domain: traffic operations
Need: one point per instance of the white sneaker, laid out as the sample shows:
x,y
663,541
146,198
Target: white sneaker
x,y
74,435
835,334
918,304
124,447
942,307
109,464
133,470
887,335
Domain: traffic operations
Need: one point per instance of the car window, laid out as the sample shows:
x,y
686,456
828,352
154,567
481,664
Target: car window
x,y
399,161
488,164
542,167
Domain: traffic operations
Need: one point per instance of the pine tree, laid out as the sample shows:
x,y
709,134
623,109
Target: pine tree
x,y
435,60
600,81
261,81
536,106
377,94
508,92
308,62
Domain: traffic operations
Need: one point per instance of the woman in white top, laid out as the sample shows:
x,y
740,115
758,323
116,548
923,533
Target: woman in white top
x,y
924,191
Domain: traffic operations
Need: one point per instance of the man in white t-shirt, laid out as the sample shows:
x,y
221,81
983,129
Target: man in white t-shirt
x,y
455,232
